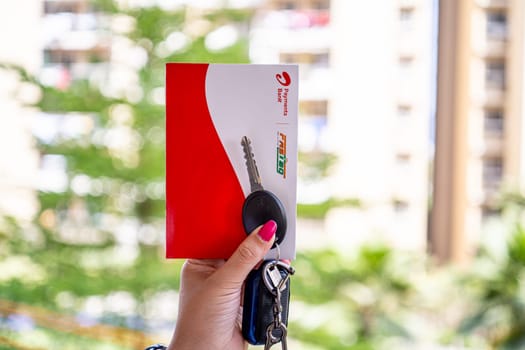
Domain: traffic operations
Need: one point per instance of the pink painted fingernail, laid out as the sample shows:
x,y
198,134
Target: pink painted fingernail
x,y
268,230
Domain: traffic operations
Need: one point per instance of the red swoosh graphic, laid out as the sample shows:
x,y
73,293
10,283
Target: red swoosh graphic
x,y
203,195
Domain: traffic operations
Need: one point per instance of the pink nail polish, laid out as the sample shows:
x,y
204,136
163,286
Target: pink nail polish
x,y
268,230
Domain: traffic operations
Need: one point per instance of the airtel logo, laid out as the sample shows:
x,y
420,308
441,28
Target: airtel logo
x,y
283,79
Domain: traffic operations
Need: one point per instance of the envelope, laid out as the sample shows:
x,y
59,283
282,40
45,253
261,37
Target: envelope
x,y
209,108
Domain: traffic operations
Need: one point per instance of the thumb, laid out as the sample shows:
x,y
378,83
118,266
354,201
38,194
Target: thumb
x,y
249,253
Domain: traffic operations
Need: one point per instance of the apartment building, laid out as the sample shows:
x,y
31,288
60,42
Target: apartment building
x,y
75,42
479,149
380,119
366,97
299,32
370,77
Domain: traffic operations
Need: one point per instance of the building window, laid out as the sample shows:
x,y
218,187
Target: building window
x,y
496,25
403,164
288,58
318,108
490,212
403,158
493,121
60,7
404,111
68,57
285,5
321,59
405,65
406,18
492,172
63,57
312,123
320,4
400,206
495,74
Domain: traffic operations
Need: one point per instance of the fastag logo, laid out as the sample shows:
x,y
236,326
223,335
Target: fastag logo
x,y
281,154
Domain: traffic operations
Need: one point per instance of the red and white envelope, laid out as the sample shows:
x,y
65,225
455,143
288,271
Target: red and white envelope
x,y
209,108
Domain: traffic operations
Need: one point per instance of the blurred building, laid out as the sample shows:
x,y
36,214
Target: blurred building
x,y
480,113
366,72
380,118
18,160
366,96
75,44
298,32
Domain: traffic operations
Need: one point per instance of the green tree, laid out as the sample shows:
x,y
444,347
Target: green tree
x,y
104,231
360,300
498,287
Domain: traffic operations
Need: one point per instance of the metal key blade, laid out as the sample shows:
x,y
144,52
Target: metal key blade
x,y
253,172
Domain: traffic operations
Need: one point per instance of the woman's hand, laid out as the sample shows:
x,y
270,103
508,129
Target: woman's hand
x,y
210,311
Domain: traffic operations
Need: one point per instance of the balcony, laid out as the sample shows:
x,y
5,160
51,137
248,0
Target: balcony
x,y
493,123
70,6
295,19
497,27
493,4
492,172
71,31
493,145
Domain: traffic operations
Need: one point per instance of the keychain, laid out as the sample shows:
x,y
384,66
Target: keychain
x,y
266,304
267,288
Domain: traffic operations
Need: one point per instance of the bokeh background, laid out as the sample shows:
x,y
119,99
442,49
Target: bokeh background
x,y
411,167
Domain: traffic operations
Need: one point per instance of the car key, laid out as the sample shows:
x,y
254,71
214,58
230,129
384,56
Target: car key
x,y
267,289
261,205
266,304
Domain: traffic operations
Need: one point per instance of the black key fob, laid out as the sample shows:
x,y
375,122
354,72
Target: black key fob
x,y
260,207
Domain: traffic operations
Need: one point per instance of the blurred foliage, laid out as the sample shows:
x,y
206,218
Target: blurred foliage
x,y
55,340
319,210
498,314
364,288
93,242
366,293
315,165
106,235
378,298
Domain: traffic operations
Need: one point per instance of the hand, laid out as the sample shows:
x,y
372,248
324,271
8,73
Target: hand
x,y
210,311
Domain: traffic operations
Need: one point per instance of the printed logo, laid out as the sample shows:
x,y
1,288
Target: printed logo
x,y
283,79
281,154
282,92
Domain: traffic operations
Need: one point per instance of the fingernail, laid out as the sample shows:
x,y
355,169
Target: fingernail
x,y
268,230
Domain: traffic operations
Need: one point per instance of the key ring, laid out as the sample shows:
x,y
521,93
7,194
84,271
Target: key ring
x,y
271,339
282,283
